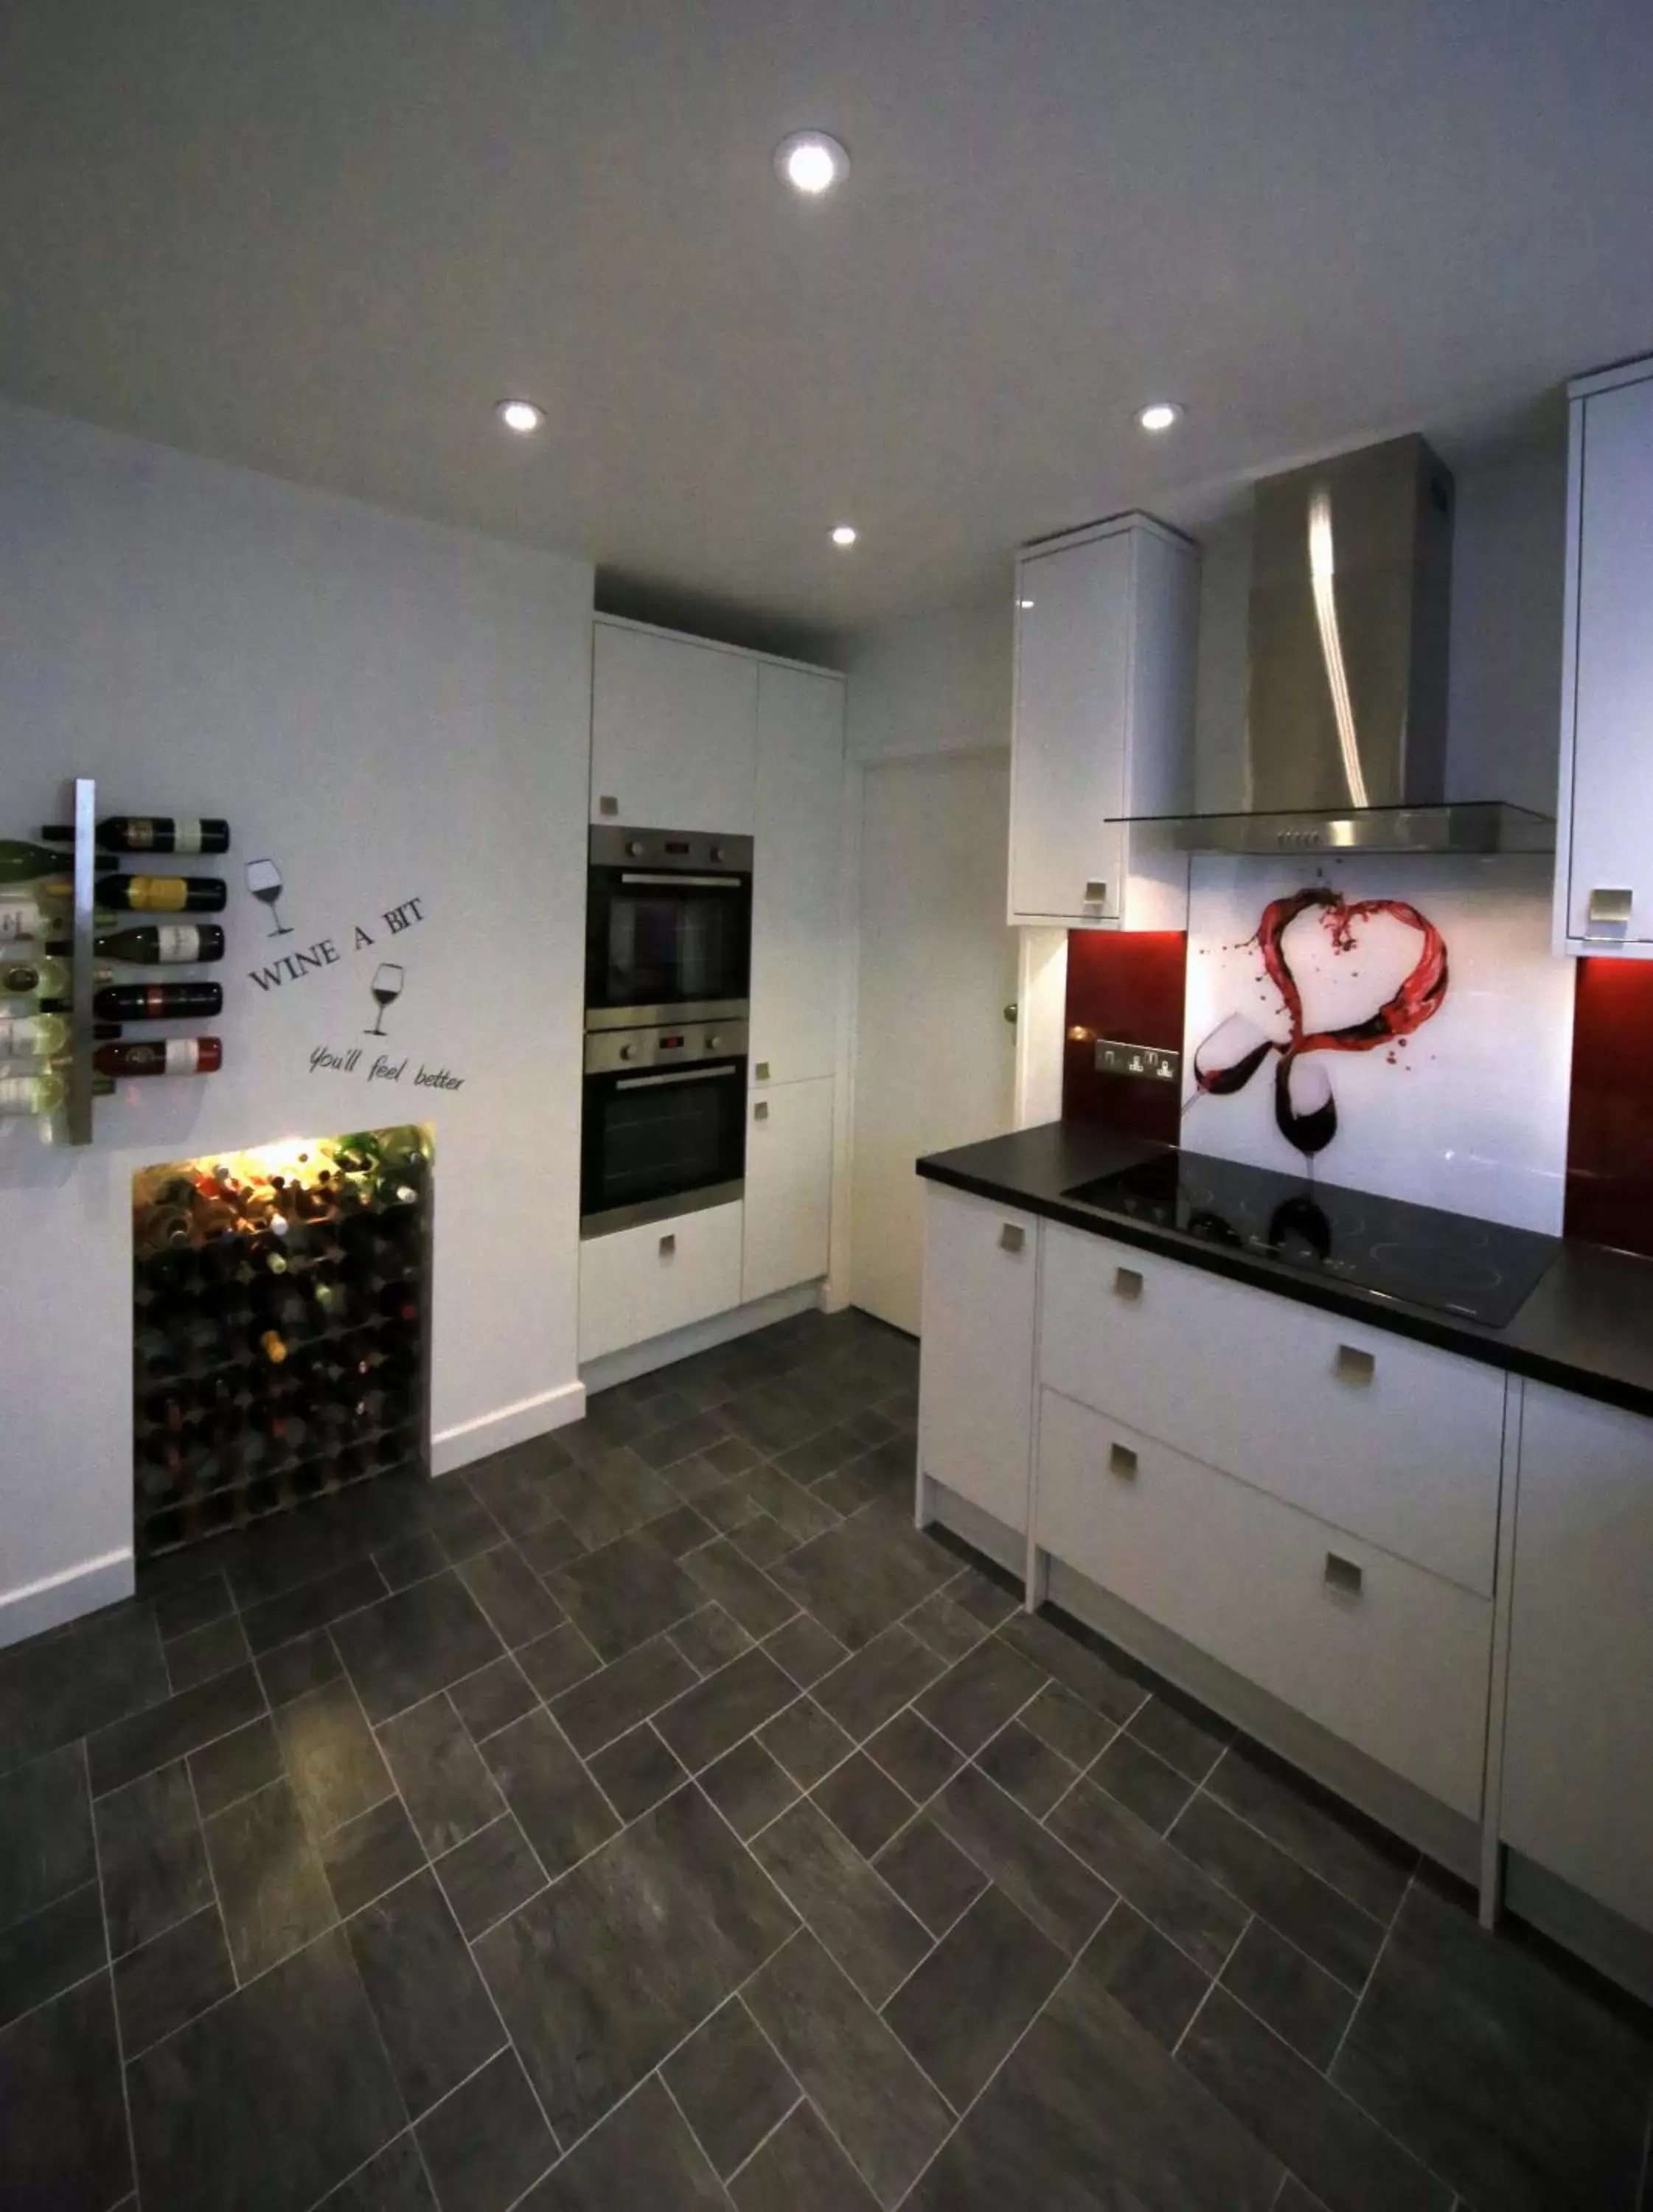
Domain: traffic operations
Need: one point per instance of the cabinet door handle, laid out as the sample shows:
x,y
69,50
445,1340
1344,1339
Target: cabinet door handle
x,y
1122,1461
1096,894
606,806
1127,1285
1011,1238
668,1246
1609,910
1353,1366
1344,1575
763,1075
761,1111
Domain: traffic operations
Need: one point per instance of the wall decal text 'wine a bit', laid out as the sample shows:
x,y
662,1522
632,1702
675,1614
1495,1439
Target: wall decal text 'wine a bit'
x,y
294,967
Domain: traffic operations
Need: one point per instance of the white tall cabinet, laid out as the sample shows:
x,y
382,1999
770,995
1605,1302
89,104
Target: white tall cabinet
x,y
673,731
797,945
1604,858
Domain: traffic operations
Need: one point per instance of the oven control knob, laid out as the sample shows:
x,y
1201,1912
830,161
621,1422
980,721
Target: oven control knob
x,y
711,1042
717,852
628,1052
635,847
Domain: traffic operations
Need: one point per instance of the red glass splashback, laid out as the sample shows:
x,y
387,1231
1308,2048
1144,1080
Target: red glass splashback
x,y
1610,1128
1130,987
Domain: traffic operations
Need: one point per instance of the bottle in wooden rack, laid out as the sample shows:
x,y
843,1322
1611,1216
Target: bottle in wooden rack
x,y
162,894
160,944
159,1056
42,979
158,1002
155,833
22,864
40,1094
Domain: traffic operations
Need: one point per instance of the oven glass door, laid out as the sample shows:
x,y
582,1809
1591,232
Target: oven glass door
x,y
657,939
656,1144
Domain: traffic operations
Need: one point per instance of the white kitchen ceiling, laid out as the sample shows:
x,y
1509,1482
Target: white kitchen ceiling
x,y
325,237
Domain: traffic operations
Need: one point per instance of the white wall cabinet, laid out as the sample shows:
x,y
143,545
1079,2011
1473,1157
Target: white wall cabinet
x,y
1106,631
639,1283
796,930
1604,858
788,1186
673,731
975,1378
1578,1742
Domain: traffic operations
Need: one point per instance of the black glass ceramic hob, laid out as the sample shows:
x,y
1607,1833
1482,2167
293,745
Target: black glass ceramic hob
x,y
1448,1263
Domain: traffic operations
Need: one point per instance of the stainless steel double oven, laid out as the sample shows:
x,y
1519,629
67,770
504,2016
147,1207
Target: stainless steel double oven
x,y
668,972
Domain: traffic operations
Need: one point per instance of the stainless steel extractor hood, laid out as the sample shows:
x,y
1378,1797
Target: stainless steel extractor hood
x,y
1345,728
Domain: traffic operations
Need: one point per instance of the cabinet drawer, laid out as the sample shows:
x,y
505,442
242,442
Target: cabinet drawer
x,y
639,1283
975,1362
1394,1440
1389,1658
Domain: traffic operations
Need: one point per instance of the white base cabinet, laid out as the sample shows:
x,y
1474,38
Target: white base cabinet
x,y
639,1283
976,1373
788,1222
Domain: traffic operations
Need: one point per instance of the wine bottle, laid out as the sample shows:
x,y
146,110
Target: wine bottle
x,y
22,864
159,1056
43,1037
164,945
162,894
38,1094
43,978
155,833
30,920
158,1002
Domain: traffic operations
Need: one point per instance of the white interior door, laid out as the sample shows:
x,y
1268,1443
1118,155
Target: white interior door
x,y
934,1055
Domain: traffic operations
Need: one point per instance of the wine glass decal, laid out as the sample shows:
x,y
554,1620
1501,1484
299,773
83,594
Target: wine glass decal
x,y
387,982
263,880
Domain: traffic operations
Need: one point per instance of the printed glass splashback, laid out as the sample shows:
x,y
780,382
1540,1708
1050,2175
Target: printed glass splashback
x,y
1395,1024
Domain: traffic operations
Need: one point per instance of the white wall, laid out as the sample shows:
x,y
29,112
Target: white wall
x,y
933,683
392,710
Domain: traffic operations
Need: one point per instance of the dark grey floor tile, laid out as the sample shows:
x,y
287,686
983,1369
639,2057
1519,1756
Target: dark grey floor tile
x,y
45,1832
761,1542
974,1698
171,1979
861,1576
552,1547
846,1492
989,1598
1303,2004
304,1664
731,2085
711,1718
312,1604
495,1694
964,2007
680,1529
635,1771
556,1662
859,2076
167,1731
331,1757
1136,1777
194,1604
727,1505
642,2155
488,2142
586,1509
401,1649
863,1804
730,1455
1026,1769
516,1602
801,2169
950,1633
876,1682
269,2099
792,1508
739,1587
663,1448
635,1488
369,1854
749,1787
932,1876
852,1909
411,1560
426,1996
1146,1973
1057,1892
561,1811
811,1462
610,1703
515,1485
65,2146
296,1551
710,1638
54,1688
804,1648
1318,1919
1369,1865
153,1860
489,1874
575,1973
61,1943
1199,1917
1097,1681
395,2181
912,1753
1068,1725
472,1530
624,1592
1179,1730
806,1741
204,1652
1090,2110
270,1885
607,1422
235,1765
443,1780
1294,2198
1310,2127
774,1417
1519,2085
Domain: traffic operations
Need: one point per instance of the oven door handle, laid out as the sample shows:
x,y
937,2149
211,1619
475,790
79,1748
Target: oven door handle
x,y
690,883
674,1075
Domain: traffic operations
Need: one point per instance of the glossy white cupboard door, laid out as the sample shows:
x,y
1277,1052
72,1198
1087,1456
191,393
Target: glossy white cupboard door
x,y
673,733
788,1186
796,944
975,1368
640,1283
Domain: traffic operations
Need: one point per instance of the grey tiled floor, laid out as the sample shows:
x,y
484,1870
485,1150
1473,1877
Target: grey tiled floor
x,y
651,1818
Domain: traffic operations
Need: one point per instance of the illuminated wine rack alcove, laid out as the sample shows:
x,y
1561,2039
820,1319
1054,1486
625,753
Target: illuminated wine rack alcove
x,y
281,1328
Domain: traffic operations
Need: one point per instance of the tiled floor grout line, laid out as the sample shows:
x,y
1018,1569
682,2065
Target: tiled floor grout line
x,y
212,1872
1371,1973
1204,1995
728,2179
109,1969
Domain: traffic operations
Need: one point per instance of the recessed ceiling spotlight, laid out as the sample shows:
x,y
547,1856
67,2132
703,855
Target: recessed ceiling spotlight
x,y
520,416
1158,415
845,534
811,162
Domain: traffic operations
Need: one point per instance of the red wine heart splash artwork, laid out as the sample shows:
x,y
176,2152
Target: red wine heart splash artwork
x,y
1305,1110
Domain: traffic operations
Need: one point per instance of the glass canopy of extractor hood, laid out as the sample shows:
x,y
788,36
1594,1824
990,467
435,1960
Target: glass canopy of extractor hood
x,y
1466,826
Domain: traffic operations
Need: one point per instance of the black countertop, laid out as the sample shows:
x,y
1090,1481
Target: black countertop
x,y
1588,1327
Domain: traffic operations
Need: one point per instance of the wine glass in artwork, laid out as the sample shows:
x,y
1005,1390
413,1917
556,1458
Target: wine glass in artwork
x,y
387,982
263,880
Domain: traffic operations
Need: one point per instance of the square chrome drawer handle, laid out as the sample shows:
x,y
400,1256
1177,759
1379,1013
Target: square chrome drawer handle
x,y
668,1246
1610,908
1095,893
1354,1366
1122,1461
762,1071
1127,1284
1011,1238
607,807
761,1111
1344,1575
